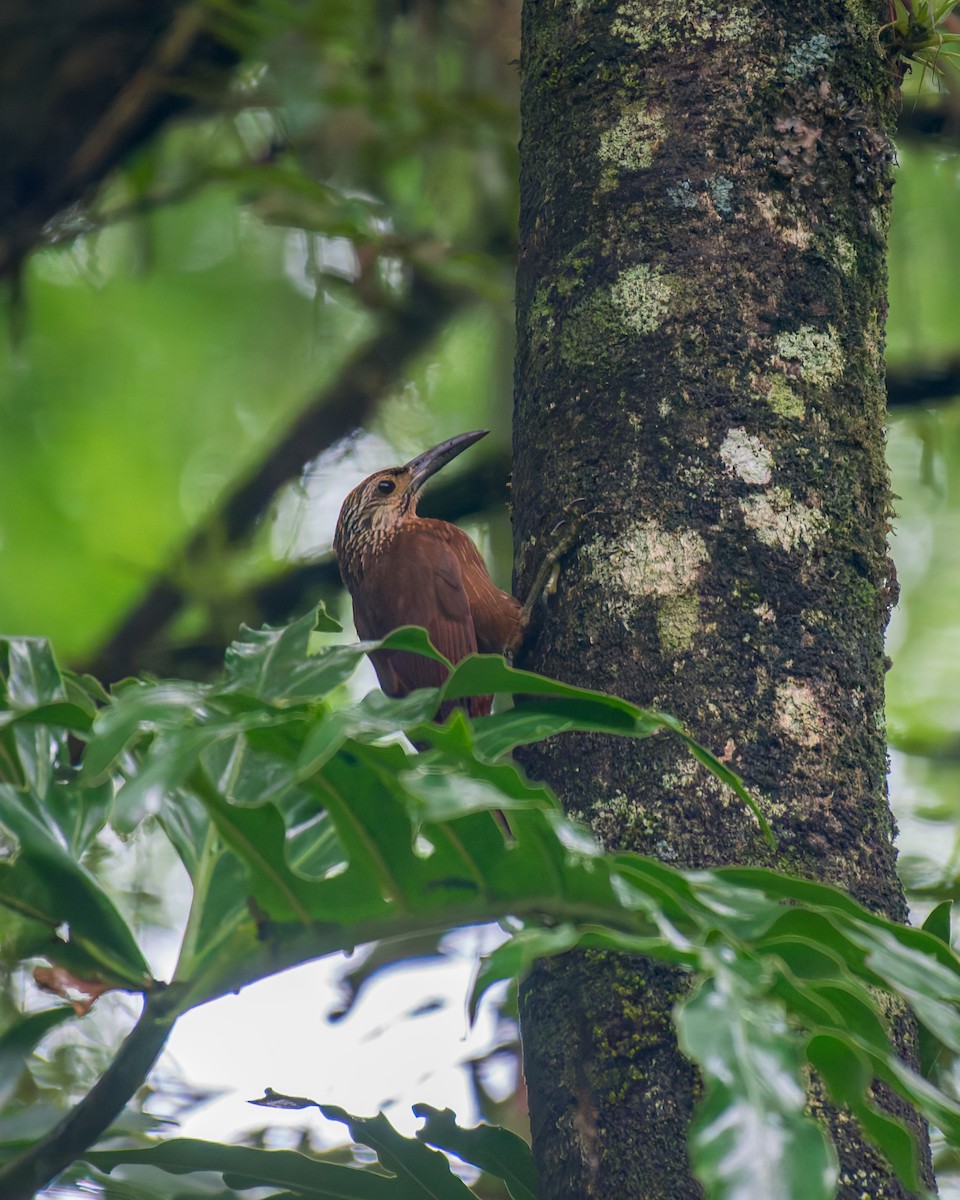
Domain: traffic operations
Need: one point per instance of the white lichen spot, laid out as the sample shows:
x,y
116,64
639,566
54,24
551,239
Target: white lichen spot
x,y
747,457
846,253
765,613
651,561
630,145
784,223
683,195
779,520
721,193
817,352
641,295
799,714
813,54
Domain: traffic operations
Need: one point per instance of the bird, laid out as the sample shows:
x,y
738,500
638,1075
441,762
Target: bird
x,y
404,569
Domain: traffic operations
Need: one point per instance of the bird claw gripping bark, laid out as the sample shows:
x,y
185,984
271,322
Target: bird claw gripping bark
x,y
545,581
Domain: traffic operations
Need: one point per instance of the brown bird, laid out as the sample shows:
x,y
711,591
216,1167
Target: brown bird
x,y
402,569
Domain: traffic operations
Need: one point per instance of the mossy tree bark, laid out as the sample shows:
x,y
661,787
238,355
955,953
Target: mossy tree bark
x,y
701,298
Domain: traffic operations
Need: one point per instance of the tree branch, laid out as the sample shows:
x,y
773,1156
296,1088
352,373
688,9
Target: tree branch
x,y
32,1170
107,82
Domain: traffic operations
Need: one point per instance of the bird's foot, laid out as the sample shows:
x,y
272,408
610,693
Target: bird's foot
x,y
545,581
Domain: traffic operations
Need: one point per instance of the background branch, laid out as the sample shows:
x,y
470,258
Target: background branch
x,y
81,90
914,386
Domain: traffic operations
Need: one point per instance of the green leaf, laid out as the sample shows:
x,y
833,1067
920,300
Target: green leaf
x,y
493,1149
479,674
938,1108
162,771
59,714
245,1167
514,958
930,1047
938,921
138,708
420,1171
276,664
848,1076
19,1041
219,911
571,708
376,716
146,1183
21,1126
751,1138
31,673
857,1012
42,881
80,813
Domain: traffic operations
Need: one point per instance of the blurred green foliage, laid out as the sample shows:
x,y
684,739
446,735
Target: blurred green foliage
x,y
163,354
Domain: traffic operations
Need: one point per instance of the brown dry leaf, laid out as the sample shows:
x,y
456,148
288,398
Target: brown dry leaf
x,y
81,993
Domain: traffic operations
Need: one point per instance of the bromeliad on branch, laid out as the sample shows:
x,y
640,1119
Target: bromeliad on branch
x,y
402,569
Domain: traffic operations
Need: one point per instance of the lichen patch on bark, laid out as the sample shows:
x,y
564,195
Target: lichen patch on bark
x,y
845,253
745,456
816,352
783,221
632,142
652,561
678,620
782,398
799,714
721,193
644,24
597,329
779,520
641,295
811,55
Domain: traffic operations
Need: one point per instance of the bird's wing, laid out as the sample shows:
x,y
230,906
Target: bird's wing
x,y
417,580
496,614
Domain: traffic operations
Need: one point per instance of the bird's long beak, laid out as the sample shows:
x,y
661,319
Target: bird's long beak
x,y
430,461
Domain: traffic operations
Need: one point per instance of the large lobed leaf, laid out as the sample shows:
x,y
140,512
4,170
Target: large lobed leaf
x,y
407,1168
47,819
307,828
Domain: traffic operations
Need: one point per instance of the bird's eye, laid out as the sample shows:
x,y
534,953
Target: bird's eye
x,y
386,486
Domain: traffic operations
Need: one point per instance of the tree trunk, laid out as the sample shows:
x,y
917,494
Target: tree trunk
x,y
701,298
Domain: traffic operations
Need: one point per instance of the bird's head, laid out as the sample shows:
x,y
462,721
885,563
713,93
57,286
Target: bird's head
x,y
384,499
